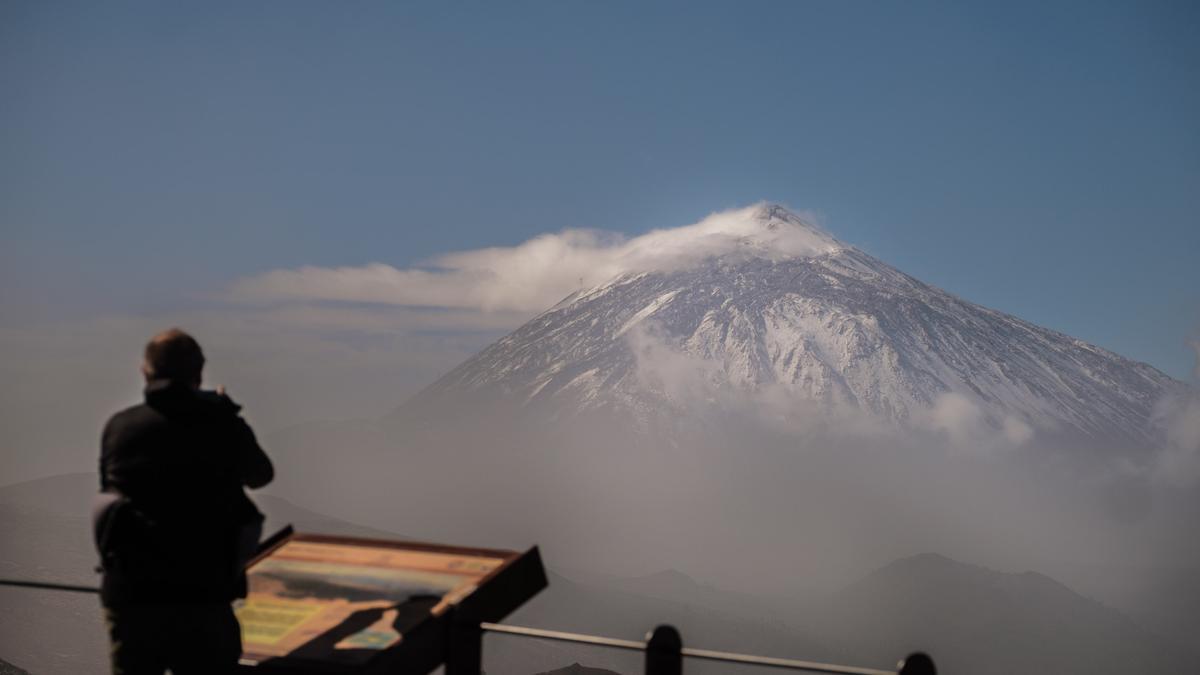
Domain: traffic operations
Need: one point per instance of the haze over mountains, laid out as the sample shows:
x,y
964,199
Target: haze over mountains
x,y
784,444
976,620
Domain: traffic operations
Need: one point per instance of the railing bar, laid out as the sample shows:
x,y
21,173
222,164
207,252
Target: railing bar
x,y
775,662
49,586
707,654
563,636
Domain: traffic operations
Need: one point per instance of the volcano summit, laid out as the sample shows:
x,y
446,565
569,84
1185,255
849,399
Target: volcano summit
x,y
760,307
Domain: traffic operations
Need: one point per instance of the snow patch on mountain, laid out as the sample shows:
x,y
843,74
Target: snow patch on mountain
x,y
647,311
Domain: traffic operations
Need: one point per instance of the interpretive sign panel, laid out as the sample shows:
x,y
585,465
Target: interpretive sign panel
x,y
335,604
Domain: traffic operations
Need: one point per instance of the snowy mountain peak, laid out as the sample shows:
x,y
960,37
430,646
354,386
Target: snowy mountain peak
x,y
764,230
757,308
775,216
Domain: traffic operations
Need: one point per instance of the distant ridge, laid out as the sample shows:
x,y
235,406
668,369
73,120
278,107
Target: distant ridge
x,y
982,621
7,668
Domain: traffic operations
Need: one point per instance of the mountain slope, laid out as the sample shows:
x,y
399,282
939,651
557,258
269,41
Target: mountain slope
x,y
756,319
982,621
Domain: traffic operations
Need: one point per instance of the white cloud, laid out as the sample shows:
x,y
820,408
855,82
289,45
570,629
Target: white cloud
x,y
1180,460
1016,431
684,379
535,274
956,416
318,318
961,420
1179,418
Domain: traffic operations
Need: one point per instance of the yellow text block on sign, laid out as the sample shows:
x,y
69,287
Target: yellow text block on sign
x,y
266,622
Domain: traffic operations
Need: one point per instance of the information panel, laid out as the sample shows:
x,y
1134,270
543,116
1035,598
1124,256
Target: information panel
x,y
342,601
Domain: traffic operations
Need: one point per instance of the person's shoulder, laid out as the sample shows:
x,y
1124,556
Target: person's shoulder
x,y
129,420
132,413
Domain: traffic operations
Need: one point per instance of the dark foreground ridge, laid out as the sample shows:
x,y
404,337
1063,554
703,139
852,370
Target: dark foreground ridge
x,y
7,668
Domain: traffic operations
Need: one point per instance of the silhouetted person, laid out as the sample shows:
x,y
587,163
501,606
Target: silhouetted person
x,y
173,541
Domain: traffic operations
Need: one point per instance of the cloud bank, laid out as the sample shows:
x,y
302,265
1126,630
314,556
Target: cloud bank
x,y
537,273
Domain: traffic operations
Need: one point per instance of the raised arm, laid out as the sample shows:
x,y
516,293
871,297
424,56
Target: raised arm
x,y
254,466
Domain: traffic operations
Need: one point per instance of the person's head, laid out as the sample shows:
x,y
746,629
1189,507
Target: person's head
x,y
173,355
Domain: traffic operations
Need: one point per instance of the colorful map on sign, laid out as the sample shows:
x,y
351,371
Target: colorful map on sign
x,y
307,593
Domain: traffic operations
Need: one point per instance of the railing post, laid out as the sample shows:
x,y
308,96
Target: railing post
x,y
465,656
664,652
917,663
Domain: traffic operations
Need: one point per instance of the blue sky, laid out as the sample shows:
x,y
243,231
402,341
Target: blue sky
x,y
1039,158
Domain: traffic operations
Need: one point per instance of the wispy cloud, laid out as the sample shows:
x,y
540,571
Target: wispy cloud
x,y
537,273
1178,416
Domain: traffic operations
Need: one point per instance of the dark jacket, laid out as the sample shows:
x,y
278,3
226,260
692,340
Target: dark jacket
x,y
180,462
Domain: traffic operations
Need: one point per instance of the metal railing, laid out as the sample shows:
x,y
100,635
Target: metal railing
x,y
665,653
663,647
